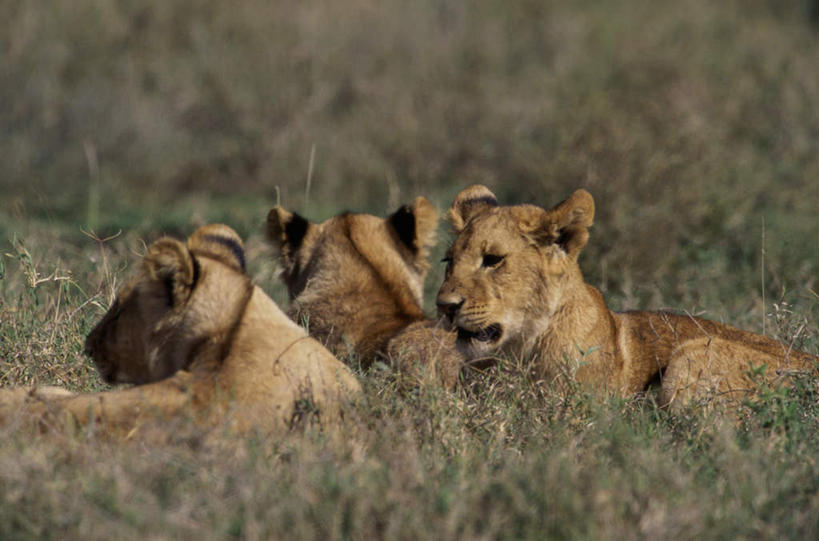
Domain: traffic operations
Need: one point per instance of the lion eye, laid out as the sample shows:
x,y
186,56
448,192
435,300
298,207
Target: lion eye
x,y
448,261
491,260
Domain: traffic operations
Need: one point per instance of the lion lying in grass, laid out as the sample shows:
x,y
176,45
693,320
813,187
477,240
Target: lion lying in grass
x,y
513,284
356,282
200,342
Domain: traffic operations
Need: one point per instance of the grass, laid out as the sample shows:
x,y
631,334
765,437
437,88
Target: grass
x,y
692,124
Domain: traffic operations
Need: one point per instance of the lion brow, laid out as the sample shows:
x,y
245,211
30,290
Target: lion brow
x,y
232,245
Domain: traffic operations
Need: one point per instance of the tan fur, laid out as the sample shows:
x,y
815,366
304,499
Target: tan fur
x,y
513,284
425,352
356,282
202,343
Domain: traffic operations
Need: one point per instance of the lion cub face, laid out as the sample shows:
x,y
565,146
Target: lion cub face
x,y
510,267
179,298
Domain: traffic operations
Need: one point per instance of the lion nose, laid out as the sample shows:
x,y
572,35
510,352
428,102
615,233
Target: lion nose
x,y
92,341
448,306
89,348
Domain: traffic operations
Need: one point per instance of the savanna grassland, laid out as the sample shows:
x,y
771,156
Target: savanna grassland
x,y
694,124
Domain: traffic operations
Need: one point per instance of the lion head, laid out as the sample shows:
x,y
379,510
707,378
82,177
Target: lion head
x,y
355,279
511,268
181,304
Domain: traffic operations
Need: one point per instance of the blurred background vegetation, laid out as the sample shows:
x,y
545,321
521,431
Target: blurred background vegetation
x,y
693,123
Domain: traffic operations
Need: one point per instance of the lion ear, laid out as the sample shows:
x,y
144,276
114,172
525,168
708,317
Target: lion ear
x,y
219,242
469,203
169,261
567,223
415,225
286,231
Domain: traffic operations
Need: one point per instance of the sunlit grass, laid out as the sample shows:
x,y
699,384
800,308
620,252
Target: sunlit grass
x,y
693,125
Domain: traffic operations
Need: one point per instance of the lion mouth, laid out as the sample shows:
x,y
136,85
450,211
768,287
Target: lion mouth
x,y
487,335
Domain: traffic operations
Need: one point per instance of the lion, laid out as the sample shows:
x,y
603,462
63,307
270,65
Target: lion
x,y
199,341
513,284
356,282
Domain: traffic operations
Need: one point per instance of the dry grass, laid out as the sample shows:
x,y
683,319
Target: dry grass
x,y
693,124
504,456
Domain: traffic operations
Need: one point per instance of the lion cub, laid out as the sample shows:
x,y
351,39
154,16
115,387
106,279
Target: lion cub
x,y
513,284
356,282
201,342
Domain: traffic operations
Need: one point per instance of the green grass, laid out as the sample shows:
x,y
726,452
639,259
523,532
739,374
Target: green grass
x,y
692,123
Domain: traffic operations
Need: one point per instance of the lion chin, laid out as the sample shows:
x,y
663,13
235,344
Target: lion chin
x,y
514,270
481,340
204,347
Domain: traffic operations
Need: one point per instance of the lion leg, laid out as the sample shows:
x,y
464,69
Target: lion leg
x,y
426,353
120,412
710,370
50,392
14,397
18,395
13,400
